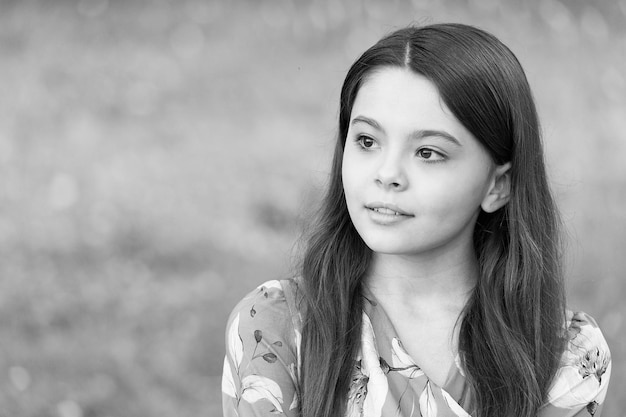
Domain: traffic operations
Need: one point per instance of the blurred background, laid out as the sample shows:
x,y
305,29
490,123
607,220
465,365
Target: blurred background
x,y
159,159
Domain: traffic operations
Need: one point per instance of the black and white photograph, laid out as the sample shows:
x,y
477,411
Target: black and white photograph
x,y
312,208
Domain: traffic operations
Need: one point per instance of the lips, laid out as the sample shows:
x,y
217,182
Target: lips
x,y
387,208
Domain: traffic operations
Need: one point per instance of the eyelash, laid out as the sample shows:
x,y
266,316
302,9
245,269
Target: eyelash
x,y
440,157
361,138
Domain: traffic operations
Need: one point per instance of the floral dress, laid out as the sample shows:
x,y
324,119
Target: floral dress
x,y
263,359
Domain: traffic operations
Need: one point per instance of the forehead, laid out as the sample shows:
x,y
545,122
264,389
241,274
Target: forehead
x,y
402,98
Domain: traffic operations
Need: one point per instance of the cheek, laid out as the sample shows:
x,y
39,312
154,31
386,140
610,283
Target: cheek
x,y
452,195
350,174
351,189
346,178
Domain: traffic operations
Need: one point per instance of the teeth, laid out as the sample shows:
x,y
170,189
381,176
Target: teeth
x,y
383,210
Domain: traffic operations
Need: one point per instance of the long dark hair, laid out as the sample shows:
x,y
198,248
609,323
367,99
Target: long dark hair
x,y
510,334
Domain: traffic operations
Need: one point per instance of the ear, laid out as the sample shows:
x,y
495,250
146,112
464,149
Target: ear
x,y
499,191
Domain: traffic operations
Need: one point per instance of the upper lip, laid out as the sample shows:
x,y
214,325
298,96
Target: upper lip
x,y
378,204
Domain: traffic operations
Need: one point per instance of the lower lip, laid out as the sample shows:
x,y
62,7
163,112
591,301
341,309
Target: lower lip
x,y
387,219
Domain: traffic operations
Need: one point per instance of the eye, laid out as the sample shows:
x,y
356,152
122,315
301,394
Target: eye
x,y
366,142
430,155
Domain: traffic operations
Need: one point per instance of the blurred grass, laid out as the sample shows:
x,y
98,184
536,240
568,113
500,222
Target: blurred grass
x,y
158,159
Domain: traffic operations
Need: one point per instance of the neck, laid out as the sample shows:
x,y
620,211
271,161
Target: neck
x,y
406,279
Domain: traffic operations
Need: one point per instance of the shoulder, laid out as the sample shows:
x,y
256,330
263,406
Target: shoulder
x,y
268,316
262,361
268,306
583,376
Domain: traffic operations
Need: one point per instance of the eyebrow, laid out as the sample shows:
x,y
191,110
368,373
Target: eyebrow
x,y
368,121
418,134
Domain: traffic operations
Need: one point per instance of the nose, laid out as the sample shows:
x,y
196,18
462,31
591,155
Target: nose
x,y
390,174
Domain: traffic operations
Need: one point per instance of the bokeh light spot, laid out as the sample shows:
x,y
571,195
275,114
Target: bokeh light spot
x,y
556,15
594,24
20,378
63,192
69,408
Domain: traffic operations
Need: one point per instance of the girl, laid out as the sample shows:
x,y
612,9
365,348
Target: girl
x,y
432,283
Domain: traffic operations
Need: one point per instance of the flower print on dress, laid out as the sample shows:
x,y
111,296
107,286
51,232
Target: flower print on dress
x,y
369,381
582,379
402,361
428,404
588,353
270,290
357,392
235,344
241,385
592,407
256,387
295,370
453,405
575,323
235,351
228,381
594,363
296,397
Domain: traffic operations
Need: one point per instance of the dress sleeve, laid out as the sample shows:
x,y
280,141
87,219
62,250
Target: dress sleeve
x,y
580,384
261,363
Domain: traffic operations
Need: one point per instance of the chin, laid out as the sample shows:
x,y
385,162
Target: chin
x,y
388,247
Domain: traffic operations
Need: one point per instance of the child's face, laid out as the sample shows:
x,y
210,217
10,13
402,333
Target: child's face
x,y
414,177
